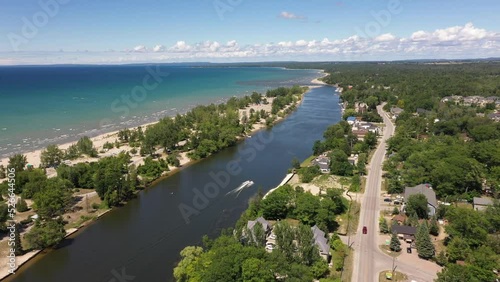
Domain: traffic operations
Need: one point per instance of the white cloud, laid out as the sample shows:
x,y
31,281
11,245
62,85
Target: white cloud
x,y
290,16
140,48
468,32
159,48
180,46
454,42
385,37
301,43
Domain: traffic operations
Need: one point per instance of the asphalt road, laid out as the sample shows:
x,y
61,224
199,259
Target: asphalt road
x,y
369,261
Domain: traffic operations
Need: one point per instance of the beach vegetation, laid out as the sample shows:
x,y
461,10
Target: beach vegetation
x,y
17,162
108,146
86,146
2,172
72,153
52,156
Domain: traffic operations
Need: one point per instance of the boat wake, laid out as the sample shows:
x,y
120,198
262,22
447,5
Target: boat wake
x,y
240,188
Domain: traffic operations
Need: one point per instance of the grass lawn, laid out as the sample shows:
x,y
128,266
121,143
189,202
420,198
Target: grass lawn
x,y
398,276
464,205
307,162
388,251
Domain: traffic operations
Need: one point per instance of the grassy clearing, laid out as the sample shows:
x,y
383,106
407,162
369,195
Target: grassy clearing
x,y
388,251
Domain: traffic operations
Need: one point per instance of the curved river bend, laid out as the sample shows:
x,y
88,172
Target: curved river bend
x,y
143,239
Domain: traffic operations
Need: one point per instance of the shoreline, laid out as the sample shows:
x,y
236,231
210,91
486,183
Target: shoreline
x,y
33,156
184,160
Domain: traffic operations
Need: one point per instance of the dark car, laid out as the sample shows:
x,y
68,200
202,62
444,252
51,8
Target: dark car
x,y
408,250
365,230
387,200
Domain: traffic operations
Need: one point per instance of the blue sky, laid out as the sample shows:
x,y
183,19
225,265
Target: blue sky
x,y
241,30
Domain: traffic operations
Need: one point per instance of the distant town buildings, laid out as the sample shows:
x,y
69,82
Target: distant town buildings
x,y
472,100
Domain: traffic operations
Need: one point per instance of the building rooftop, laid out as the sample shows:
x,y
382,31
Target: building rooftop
x,y
403,229
482,201
424,189
261,220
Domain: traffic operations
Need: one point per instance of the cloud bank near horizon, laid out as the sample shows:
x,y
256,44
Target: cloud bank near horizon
x,y
455,42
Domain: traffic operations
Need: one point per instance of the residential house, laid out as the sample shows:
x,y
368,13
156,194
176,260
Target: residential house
x,y
480,204
395,111
360,107
322,242
353,159
265,225
406,233
494,117
323,162
427,191
361,128
422,112
351,120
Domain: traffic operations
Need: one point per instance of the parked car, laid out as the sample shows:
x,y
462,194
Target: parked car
x,y
387,200
408,250
272,236
365,230
396,202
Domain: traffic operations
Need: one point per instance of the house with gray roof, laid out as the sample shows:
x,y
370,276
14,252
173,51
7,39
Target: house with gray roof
x,y
395,111
480,204
427,191
323,162
265,225
322,242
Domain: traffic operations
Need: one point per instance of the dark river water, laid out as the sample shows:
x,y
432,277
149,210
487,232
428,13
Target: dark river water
x,y
142,240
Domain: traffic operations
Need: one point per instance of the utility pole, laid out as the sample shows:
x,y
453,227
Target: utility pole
x,y
394,269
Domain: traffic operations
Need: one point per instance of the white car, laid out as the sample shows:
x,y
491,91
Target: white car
x,y
272,236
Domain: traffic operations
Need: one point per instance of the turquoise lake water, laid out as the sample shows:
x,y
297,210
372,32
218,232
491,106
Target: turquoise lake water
x,y
41,105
